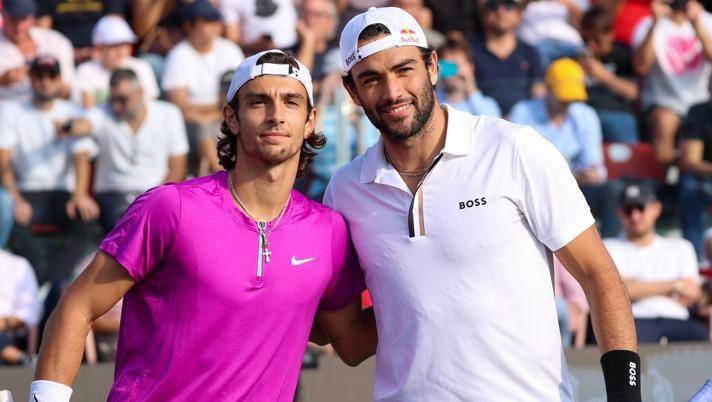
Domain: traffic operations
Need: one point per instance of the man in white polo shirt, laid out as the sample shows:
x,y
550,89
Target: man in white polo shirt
x,y
142,144
454,218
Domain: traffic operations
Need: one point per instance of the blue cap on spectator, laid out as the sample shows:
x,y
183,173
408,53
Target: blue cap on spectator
x,y
200,10
18,9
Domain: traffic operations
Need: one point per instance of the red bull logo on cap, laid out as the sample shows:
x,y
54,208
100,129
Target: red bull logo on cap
x,y
408,35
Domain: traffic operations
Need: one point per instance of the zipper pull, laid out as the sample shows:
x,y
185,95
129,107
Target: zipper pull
x,y
261,247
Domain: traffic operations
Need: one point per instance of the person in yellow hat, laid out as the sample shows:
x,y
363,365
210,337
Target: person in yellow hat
x,y
573,127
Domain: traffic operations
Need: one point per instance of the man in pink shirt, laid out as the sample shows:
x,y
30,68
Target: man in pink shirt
x,y
222,275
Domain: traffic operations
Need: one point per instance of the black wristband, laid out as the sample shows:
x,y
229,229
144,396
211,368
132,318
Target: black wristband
x,y
621,373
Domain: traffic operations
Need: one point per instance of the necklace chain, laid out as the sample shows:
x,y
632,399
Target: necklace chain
x,y
408,173
249,214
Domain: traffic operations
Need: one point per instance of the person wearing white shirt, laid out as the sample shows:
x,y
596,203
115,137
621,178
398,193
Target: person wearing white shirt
x,y
454,218
661,273
112,39
32,41
20,307
142,144
192,73
673,55
47,171
260,25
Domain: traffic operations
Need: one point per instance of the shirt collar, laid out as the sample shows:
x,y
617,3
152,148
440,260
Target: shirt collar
x,y
458,135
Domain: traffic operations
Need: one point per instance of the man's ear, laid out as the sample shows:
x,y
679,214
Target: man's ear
x,y
230,118
433,68
351,89
310,124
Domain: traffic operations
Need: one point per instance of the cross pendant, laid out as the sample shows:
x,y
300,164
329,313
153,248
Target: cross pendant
x,y
266,253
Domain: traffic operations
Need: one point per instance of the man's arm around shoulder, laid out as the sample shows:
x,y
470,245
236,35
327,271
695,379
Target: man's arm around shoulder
x,y
351,330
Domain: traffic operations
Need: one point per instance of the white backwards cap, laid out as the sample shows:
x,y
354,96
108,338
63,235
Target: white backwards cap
x,y
249,69
405,31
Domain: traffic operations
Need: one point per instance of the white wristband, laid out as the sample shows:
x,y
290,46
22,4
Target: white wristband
x,y
49,391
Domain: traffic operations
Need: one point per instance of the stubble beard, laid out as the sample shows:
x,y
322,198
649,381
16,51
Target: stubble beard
x,y
395,131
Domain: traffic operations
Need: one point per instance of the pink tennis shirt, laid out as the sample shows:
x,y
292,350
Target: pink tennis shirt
x,y
199,324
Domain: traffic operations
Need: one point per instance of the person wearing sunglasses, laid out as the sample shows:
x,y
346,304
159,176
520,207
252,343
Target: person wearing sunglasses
x,y
142,144
661,273
508,69
46,171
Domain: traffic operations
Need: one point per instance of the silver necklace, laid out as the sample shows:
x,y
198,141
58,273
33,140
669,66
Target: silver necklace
x,y
408,173
261,225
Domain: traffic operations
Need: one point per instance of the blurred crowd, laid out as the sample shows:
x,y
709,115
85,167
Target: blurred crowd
x,y
102,100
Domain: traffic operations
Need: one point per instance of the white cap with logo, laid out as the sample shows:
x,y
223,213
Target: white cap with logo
x,y
112,30
249,69
405,31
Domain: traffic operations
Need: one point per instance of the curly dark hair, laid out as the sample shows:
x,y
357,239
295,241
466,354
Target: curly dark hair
x,y
227,141
378,29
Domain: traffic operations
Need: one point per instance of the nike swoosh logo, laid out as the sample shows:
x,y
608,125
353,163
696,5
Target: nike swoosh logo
x,y
295,261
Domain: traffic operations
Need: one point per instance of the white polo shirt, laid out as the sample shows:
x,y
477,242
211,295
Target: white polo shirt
x,y
41,160
136,161
463,296
665,259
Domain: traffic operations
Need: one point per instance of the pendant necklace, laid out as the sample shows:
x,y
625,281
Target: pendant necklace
x,y
261,225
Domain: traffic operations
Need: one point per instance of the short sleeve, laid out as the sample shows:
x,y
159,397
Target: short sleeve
x,y
97,119
8,134
520,113
688,260
145,234
548,195
640,31
347,282
174,75
179,142
588,127
27,305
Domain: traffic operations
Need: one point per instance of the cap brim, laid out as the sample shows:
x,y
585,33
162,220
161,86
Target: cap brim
x,y
570,93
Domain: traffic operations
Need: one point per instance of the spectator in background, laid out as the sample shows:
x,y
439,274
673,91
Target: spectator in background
x,y
159,26
661,273
76,19
457,86
112,39
193,71
610,80
47,171
207,143
551,27
573,127
507,69
571,306
456,19
142,144
673,49
346,127
18,29
14,82
20,306
695,183
316,28
260,25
